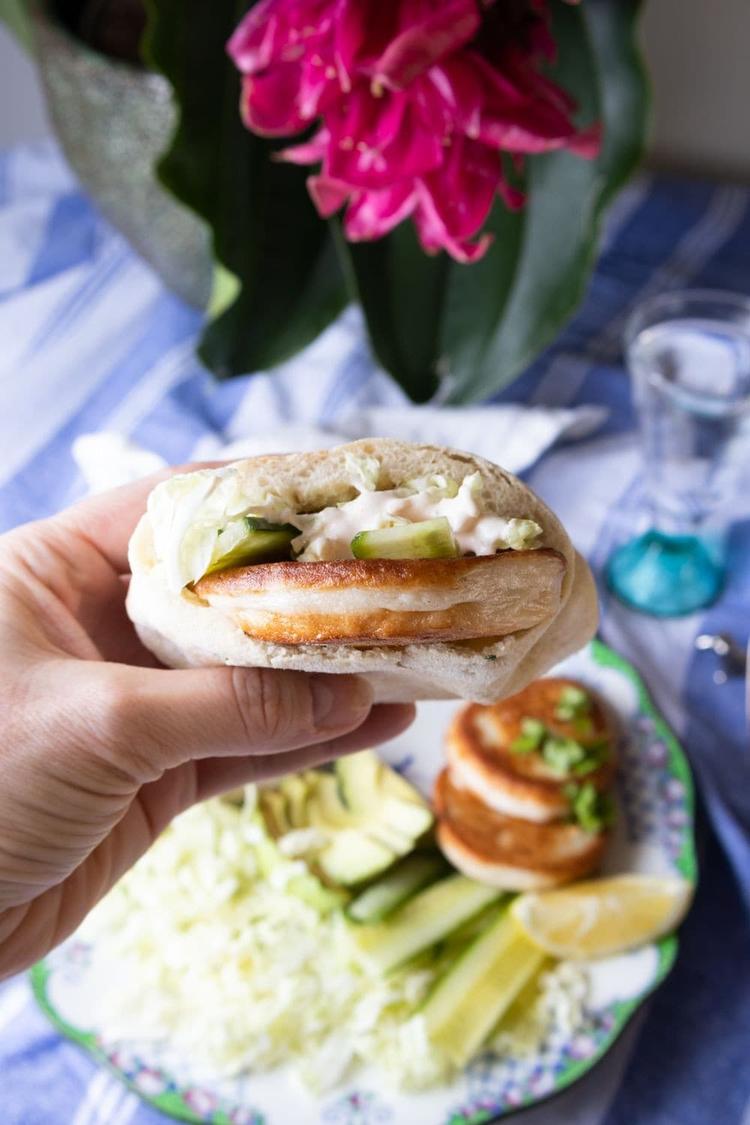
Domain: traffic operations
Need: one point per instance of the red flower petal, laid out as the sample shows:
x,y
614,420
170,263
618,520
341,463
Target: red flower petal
x,y
434,235
378,140
372,214
396,42
328,195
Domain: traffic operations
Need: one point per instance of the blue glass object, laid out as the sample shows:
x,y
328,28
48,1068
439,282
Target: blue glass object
x,y
689,358
666,575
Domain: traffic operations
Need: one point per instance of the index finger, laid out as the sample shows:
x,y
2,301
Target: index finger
x,y
108,519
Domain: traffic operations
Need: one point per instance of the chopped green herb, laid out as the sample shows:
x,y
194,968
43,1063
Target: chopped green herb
x,y
574,703
532,734
591,810
595,755
490,656
562,754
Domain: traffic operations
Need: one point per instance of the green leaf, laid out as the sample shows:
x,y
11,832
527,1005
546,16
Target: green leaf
x,y
278,282
400,289
15,14
482,324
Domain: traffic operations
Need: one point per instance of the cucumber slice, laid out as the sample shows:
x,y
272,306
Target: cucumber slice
x,y
422,921
411,875
428,539
254,540
473,995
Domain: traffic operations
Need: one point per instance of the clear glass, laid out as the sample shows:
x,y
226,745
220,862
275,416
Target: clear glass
x,y
689,357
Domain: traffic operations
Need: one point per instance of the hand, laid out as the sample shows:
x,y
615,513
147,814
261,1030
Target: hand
x,y
100,746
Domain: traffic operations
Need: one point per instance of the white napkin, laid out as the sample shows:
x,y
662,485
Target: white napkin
x,y
513,436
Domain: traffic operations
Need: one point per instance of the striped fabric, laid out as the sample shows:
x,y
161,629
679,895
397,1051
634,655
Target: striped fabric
x,y
90,340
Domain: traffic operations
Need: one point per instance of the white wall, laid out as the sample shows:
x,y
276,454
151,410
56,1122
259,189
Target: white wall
x,y
698,53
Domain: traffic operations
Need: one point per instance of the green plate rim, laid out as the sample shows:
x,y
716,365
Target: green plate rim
x,y
686,862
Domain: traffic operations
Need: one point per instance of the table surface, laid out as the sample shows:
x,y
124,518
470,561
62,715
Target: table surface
x,y
92,341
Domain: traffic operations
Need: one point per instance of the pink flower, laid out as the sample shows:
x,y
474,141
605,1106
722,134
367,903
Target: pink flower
x,y
416,104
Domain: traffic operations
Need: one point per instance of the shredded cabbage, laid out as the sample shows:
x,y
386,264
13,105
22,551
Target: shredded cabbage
x,y
188,512
204,945
364,471
558,1011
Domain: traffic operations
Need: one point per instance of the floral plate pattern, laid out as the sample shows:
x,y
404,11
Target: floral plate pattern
x,y
654,834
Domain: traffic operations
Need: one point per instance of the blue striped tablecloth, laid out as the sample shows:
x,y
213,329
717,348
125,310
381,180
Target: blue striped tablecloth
x,y
90,340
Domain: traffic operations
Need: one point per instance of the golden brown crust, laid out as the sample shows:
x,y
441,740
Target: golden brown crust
x,y
451,599
552,853
372,573
479,744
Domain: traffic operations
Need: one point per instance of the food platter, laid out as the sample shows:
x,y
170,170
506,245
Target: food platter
x,y
653,834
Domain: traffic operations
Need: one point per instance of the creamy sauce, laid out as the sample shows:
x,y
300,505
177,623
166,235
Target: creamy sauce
x,y
328,534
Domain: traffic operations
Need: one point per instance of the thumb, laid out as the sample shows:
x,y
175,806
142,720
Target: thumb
x,y
156,719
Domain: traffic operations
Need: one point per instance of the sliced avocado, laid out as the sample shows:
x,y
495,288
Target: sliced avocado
x,y
380,899
365,780
393,784
406,816
358,777
386,806
351,857
469,999
254,541
421,922
274,809
399,842
324,806
295,788
428,539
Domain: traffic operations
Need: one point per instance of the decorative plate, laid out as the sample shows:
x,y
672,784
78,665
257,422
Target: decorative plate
x,y
654,834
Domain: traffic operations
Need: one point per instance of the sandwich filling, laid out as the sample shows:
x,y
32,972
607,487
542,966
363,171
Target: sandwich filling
x,y
208,520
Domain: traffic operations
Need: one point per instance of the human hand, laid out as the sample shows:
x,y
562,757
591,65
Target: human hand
x,y
100,747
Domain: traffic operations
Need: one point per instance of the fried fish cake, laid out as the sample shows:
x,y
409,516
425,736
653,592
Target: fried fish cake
x,y
491,749
508,852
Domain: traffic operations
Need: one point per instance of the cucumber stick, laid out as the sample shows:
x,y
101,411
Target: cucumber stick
x,y
252,540
382,898
470,998
428,539
422,921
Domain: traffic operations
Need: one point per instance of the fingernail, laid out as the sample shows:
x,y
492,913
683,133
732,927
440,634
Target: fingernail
x,y
340,702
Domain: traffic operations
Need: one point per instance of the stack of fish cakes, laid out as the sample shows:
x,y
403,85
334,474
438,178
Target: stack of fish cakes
x,y
524,802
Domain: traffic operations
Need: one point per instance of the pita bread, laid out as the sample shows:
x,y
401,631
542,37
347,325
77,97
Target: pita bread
x,y
183,631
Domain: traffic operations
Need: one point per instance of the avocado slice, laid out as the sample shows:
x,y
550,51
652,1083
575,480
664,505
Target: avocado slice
x,y
274,809
295,788
351,857
428,539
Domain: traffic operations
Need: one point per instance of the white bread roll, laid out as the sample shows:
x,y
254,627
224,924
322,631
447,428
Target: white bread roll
x,y
185,631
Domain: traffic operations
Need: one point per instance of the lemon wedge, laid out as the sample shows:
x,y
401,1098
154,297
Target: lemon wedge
x,y
600,917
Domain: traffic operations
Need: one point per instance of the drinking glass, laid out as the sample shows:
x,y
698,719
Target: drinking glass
x,y
689,358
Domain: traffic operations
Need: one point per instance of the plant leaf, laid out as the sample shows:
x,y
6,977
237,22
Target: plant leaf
x,y
288,284
484,323
15,14
400,288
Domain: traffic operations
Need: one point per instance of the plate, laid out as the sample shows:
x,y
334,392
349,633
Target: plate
x,y
654,834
